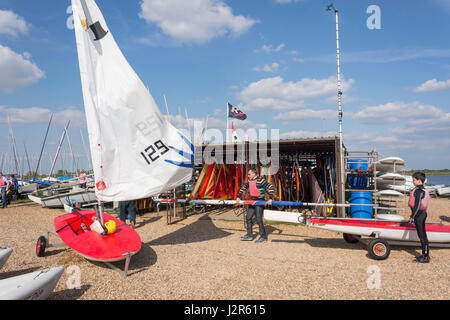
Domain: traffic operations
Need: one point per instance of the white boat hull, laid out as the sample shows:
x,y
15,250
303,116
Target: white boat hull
x,y
36,285
402,234
58,201
445,191
392,228
4,255
390,164
390,179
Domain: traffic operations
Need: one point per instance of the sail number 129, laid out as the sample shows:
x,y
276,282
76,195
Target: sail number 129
x,y
154,151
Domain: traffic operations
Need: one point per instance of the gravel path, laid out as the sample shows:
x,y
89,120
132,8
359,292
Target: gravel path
x,y
202,258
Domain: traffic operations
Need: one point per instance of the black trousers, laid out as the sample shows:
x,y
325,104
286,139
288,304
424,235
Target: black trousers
x,y
127,208
419,221
258,211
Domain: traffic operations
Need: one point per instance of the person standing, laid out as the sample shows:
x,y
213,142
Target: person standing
x,y
82,179
15,189
257,187
128,208
4,185
418,202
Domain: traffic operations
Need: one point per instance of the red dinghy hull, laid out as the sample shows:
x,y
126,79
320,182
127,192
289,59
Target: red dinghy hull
x,y
124,242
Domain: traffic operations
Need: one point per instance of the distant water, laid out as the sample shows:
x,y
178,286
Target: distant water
x,y
439,179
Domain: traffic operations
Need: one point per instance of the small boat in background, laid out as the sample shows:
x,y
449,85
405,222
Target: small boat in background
x,y
443,191
76,195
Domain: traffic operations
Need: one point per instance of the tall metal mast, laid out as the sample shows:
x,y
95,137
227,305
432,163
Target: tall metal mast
x,y
341,149
43,144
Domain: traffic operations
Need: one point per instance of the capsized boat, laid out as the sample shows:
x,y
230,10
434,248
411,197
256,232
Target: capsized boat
x,y
36,285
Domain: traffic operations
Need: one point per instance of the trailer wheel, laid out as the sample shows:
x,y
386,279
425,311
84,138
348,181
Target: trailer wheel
x,y
40,246
349,238
379,249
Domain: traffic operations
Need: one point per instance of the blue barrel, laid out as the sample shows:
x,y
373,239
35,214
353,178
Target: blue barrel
x,y
361,197
357,181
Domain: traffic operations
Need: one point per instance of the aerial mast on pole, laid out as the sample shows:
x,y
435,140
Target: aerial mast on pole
x,y
341,149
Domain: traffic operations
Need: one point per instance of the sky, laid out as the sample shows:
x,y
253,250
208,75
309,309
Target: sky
x,y
273,59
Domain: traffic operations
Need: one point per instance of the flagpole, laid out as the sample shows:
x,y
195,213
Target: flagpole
x,y
226,132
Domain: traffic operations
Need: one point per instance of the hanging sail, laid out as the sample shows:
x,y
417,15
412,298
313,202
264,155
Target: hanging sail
x,y
136,152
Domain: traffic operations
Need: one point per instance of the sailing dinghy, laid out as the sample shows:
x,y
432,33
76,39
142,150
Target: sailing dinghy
x,y
136,152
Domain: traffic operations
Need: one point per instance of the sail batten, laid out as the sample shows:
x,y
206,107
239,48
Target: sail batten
x,y
136,152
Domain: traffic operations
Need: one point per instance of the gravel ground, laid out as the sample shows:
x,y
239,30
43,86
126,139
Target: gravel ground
x,y
202,258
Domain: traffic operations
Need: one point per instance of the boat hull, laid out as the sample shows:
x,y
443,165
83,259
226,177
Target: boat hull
x,y
93,246
36,285
389,230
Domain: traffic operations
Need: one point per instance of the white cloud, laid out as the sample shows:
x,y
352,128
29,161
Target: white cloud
x,y
195,21
12,24
385,55
269,48
433,85
272,68
276,94
285,1
38,115
306,114
397,112
16,70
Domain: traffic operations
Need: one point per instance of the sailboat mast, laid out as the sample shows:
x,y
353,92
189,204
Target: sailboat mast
x,y
43,144
71,151
26,154
13,142
59,148
86,151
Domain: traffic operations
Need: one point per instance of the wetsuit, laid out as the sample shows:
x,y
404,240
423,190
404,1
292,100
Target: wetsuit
x,y
419,215
257,189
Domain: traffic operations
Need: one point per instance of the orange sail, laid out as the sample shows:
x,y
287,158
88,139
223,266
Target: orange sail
x,y
199,182
205,181
230,172
220,185
237,184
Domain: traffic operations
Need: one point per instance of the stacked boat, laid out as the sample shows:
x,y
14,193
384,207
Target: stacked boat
x,y
389,178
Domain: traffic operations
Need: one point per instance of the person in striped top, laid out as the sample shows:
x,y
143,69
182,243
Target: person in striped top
x,y
257,187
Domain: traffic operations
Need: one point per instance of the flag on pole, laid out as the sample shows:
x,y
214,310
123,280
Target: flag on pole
x,y
235,113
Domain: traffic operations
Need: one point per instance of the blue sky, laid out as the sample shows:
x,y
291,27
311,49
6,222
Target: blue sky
x,y
273,59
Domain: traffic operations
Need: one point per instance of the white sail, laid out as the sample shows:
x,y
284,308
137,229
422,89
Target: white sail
x,y
136,152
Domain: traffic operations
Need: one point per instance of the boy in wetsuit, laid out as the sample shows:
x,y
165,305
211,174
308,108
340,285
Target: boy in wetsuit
x,y
256,186
418,202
